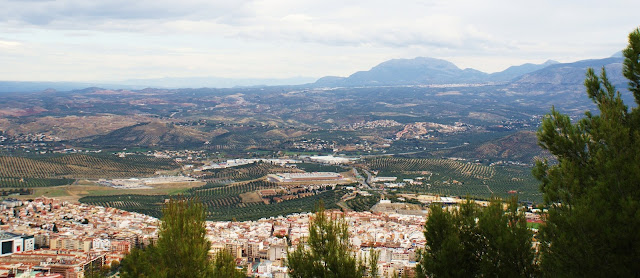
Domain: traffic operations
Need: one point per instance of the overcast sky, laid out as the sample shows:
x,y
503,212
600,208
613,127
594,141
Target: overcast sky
x,y
97,40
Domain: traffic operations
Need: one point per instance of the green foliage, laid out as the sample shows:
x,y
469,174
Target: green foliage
x,y
372,263
507,242
182,249
472,178
58,169
243,172
97,272
593,194
363,203
142,263
115,265
328,253
220,203
315,167
631,69
182,245
32,182
224,265
476,242
446,254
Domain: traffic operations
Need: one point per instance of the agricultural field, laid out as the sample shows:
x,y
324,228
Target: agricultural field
x,y
61,169
12,182
363,203
222,202
315,167
242,173
458,178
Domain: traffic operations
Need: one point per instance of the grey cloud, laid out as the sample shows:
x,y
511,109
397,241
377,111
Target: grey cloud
x,y
394,35
88,12
331,22
440,25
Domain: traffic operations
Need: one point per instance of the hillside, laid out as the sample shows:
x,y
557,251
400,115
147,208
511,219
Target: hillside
x,y
521,146
419,70
81,166
517,71
573,73
70,127
422,71
148,135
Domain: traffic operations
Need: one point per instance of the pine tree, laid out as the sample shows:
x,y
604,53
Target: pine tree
x,y
477,242
452,242
592,191
372,263
182,249
506,242
328,254
142,263
182,245
224,265
97,272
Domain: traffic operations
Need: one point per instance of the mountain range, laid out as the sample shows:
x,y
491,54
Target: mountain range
x,y
164,83
396,72
429,71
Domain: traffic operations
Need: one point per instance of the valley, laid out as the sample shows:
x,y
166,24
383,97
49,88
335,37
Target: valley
x,y
475,138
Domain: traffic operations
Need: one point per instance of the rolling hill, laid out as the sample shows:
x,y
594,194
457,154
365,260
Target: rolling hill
x,y
148,135
521,146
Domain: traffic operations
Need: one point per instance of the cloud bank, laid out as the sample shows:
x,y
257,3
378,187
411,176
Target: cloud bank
x,y
116,39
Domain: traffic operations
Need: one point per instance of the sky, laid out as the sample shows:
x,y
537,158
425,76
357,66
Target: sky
x,y
111,40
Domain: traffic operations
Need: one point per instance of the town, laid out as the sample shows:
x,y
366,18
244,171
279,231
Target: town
x,y
49,236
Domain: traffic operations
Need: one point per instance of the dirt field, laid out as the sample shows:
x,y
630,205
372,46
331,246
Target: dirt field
x,y
72,193
250,197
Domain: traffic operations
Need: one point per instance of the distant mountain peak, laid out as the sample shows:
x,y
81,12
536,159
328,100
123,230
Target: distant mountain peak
x,y
418,61
426,70
415,71
573,73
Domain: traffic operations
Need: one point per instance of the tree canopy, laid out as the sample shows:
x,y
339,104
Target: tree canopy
x,y
224,265
477,242
593,191
182,249
182,245
328,254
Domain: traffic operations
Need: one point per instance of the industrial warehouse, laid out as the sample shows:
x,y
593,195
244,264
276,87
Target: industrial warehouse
x,y
305,177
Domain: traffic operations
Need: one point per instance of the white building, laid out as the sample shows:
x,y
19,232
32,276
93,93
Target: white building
x,y
265,267
11,202
29,243
384,179
100,244
12,243
277,252
329,159
301,177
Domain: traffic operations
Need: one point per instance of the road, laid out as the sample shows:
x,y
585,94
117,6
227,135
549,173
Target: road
x,y
343,201
363,183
